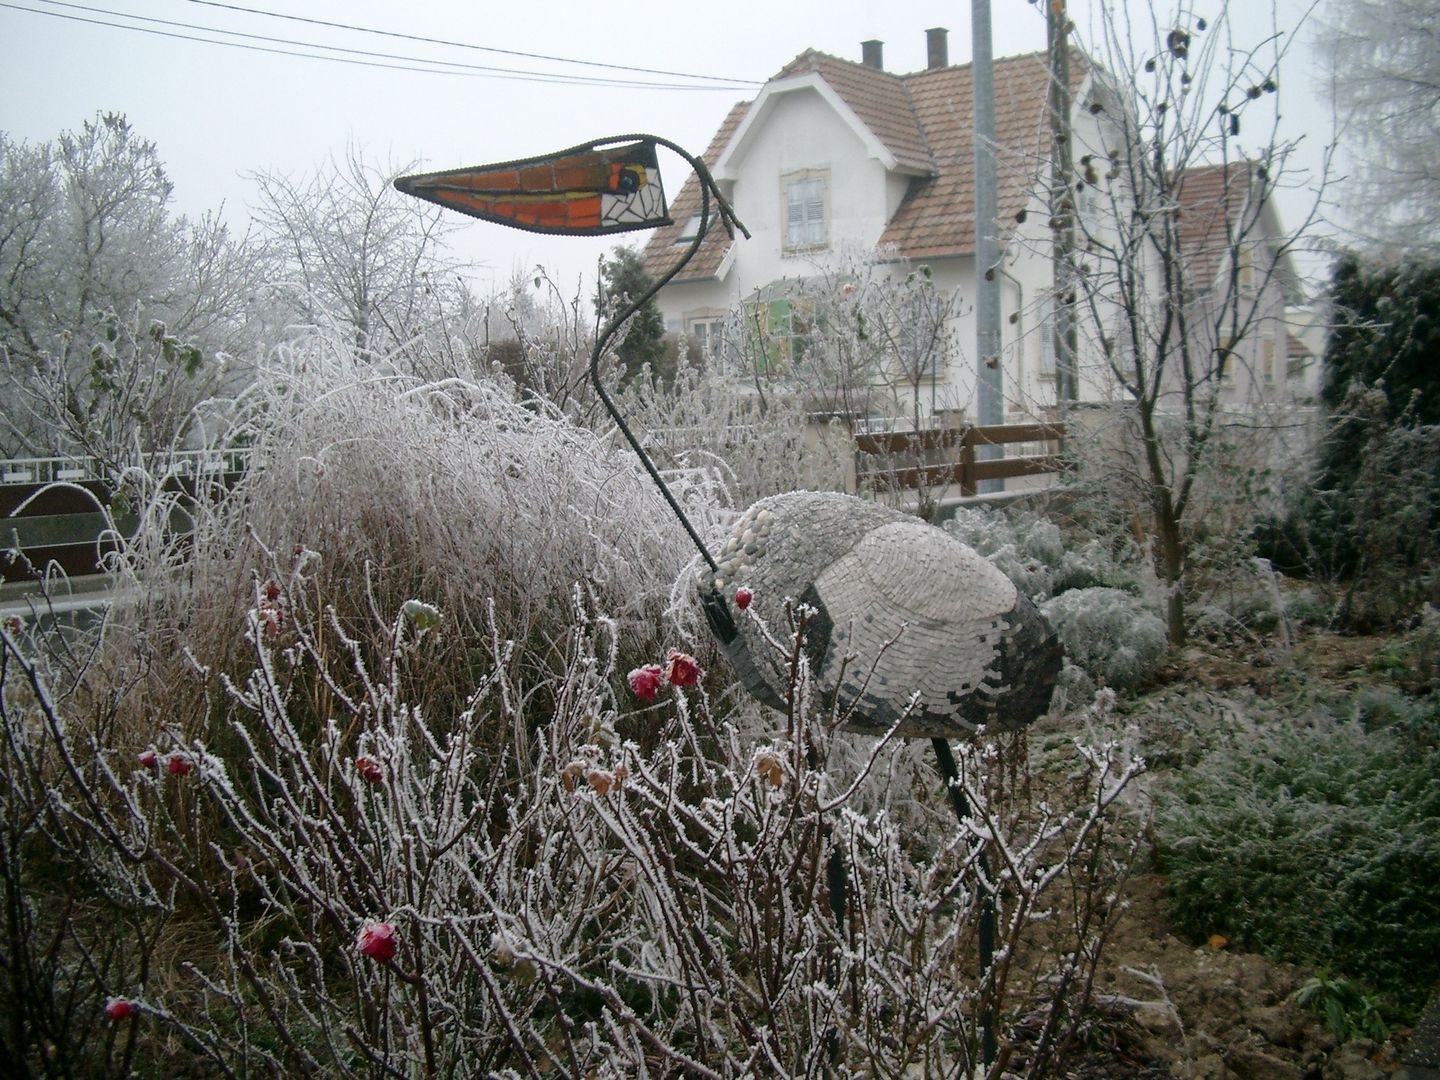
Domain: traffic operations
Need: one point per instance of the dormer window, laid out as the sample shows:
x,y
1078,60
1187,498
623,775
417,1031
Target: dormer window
x,y
689,230
807,219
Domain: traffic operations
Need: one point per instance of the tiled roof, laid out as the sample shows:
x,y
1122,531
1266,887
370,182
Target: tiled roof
x,y
937,216
879,99
662,251
926,120
1212,200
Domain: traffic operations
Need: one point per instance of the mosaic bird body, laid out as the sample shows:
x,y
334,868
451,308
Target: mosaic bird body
x,y
913,608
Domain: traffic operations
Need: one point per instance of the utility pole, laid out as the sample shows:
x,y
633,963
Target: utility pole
x,y
1062,207
990,381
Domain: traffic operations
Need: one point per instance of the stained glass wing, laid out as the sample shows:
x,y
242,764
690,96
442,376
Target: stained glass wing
x,y
584,192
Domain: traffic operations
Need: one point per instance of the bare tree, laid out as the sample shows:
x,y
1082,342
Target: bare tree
x,y
860,334
1383,76
115,318
1182,268
356,252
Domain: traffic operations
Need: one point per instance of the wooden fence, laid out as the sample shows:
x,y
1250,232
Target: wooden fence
x,y
941,457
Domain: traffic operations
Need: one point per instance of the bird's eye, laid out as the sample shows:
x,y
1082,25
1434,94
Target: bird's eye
x,y
628,180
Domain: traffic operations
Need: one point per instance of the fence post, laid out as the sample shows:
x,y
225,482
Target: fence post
x,y
967,462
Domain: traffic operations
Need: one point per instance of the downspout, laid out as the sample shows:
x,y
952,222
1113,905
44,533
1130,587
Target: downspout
x,y
1019,318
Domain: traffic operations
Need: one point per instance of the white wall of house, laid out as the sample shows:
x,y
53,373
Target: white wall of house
x,y
800,137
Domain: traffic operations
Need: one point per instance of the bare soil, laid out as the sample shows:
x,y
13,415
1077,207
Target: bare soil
x,y
1175,1008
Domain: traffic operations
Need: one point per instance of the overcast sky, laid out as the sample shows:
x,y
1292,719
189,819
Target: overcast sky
x,y
218,111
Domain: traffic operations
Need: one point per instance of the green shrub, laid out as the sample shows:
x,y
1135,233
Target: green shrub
x,y
1347,1011
1316,844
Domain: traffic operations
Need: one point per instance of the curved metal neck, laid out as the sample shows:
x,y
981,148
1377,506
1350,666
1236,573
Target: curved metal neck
x,y
602,339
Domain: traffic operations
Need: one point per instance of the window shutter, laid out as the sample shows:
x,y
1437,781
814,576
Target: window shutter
x,y
805,212
1047,336
794,215
815,211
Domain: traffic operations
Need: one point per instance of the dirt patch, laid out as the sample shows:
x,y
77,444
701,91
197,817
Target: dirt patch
x,y
1167,1007
1170,1007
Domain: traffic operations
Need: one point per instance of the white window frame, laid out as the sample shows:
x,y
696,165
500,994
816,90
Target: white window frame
x,y
707,329
805,210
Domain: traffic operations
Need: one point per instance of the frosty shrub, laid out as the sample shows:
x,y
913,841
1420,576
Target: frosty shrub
x,y
366,489
1112,635
1033,553
752,447
1316,843
259,894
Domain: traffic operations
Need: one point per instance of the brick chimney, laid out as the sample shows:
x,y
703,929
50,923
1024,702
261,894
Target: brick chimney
x,y
872,54
937,48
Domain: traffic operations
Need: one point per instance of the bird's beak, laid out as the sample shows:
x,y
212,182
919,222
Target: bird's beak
x,y
582,191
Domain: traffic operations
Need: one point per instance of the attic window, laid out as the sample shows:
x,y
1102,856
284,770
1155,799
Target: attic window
x,y
806,218
689,231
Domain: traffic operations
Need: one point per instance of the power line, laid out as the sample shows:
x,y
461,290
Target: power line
x,y
467,45
408,63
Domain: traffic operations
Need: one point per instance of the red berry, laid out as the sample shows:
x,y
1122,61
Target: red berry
x,y
377,941
743,596
681,668
148,757
178,765
369,769
118,1009
645,682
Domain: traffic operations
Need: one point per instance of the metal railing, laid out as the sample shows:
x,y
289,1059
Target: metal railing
x,y
50,470
61,511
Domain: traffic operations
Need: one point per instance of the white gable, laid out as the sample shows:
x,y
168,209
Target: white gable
x,y
727,166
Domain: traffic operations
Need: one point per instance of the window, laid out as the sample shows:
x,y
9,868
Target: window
x,y
777,333
1047,337
688,231
1267,361
806,220
1245,268
708,333
1225,361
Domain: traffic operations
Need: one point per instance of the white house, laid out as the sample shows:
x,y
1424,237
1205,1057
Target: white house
x,y
834,156
1241,281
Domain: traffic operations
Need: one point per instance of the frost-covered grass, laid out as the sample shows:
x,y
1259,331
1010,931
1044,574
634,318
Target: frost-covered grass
x,y
369,488
751,447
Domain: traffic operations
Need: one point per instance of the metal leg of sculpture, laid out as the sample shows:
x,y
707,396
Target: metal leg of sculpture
x,y
951,774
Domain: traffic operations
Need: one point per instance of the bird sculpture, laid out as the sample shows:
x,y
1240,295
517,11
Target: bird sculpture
x,y
905,627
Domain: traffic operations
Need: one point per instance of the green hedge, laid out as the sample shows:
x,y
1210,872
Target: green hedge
x,y
1318,844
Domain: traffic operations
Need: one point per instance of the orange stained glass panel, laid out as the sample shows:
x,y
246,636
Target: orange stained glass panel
x,y
585,192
